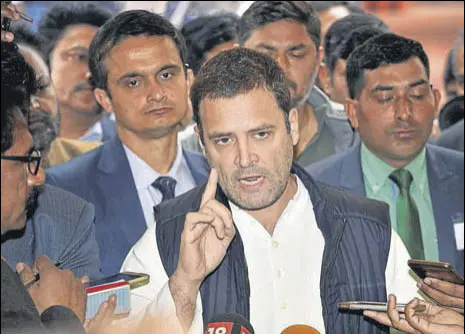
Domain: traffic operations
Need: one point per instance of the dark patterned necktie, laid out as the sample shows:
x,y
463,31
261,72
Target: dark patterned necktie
x,y
166,185
408,219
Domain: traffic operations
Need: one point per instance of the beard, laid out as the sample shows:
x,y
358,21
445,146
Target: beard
x,y
31,204
44,129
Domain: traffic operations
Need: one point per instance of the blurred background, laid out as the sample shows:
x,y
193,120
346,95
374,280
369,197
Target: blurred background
x,y
436,24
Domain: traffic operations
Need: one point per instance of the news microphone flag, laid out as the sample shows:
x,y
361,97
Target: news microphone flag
x,y
229,324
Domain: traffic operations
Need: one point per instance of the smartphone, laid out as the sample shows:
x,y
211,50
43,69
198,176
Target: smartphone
x,y
135,280
440,270
374,306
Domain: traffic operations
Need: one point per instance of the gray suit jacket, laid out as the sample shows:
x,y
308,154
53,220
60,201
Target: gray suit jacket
x,y
445,170
63,229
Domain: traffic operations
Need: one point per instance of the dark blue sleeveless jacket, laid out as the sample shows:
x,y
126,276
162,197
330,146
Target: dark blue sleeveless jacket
x,y
357,237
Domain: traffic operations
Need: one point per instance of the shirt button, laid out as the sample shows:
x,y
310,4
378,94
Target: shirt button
x,y
280,273
284,307
275,244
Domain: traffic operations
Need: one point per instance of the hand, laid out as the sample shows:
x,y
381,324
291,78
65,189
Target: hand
x,y
10,11
102,320
445,293
55,288
434,320
206,237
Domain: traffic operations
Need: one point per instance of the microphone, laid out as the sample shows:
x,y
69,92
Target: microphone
x,y
300,329
229,324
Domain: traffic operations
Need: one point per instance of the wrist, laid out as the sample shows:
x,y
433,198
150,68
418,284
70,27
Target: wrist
x,y
181,280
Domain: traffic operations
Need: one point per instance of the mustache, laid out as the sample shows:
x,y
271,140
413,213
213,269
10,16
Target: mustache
x,y
32,201
249,171
44,129
82,86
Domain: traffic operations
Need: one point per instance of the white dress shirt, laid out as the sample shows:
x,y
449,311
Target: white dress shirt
x,y
94,133
144,176
285,289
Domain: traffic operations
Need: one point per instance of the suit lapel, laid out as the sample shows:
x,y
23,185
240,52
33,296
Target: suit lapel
x,y
198,166
441,180
122,200
351,174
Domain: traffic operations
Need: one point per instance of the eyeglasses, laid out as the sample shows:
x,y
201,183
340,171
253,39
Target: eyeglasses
x,y
32,160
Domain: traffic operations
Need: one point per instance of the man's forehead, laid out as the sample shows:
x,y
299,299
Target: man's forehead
x,y
403,73
152,50
242,111
283,32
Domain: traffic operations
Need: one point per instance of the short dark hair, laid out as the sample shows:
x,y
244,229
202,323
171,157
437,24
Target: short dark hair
x,y
206,32
381,50
26,36
261,13
54,22
18,83
238,71
353,40
340,29
321,6
124,25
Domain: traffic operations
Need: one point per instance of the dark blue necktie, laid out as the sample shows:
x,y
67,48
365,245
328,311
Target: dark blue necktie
x,y
166,185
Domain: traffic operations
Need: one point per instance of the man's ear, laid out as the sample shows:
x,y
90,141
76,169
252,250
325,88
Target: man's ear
x,y
190,81
437,101
351,108
103,99
197,133
325,79
294,122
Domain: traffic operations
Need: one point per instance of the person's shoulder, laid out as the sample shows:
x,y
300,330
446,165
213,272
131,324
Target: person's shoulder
x,y
62,206
328,165
448,156
50,194
77,166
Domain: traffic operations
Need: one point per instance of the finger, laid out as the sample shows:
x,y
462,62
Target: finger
x,y
194,218
197,232
379,317
25,272
7,36
392,310
217,224
210,190
10,12
448,288
84,279
41,263
441,297
223,212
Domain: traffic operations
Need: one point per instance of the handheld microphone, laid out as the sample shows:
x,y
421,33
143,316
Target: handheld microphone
x,y
300,329
229,324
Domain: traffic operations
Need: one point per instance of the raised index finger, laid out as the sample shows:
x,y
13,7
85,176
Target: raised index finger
x,y
210,190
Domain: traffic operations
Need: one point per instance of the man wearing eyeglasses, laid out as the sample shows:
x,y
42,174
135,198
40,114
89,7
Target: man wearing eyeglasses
x,y
58,301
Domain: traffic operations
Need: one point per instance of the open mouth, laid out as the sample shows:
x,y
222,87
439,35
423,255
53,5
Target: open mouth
x,y
251,180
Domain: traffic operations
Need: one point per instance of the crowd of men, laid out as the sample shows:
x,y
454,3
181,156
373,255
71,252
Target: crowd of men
x,y
271,165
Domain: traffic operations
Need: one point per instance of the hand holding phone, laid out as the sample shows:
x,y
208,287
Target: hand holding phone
x,y
99,291
434,319
441,282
